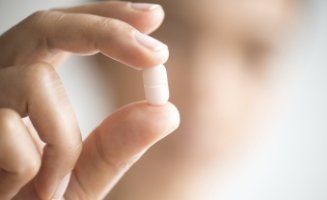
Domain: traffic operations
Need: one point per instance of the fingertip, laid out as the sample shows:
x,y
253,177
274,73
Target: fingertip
x,y
140,124
146,60
156,121
167,114
172,115
148,51
148,16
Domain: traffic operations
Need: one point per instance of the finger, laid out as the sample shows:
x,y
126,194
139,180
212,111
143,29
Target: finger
x,y
89,34
145,17
116,144
19,158
39,93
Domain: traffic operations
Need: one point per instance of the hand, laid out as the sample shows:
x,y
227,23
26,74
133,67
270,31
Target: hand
x,y
31,88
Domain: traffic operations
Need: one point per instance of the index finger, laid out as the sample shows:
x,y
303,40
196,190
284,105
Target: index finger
x,y
146,17
89,34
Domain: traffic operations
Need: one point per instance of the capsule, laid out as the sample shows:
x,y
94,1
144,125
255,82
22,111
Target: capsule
x,y
155,83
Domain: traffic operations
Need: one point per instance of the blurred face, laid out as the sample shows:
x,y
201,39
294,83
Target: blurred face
x,y
221,52
220,56
220,81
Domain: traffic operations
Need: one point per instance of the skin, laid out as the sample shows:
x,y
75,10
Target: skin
x,y
221,69
37,152
219,73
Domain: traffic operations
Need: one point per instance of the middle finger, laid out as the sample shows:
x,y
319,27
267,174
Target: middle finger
x,y
38,93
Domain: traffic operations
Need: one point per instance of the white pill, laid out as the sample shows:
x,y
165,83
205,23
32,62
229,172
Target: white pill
x,y
155,83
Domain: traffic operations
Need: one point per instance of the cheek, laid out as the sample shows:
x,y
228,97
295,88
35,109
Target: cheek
x,y
218,93
217,103
218,86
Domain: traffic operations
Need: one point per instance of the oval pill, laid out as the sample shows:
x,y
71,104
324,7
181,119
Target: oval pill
x,y
155,83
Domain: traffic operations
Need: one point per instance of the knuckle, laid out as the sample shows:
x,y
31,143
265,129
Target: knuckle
x,y
39,17
40,74
56,16
38,14
73,148
109,24
8,119
105,22
26,164
28,170
33,167
42,68
36,26
70,151
115,24
36,18
44,16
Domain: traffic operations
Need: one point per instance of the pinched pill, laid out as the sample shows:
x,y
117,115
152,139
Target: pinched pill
x,y
155,83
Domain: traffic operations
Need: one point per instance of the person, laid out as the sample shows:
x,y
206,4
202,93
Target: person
x,y
219,64
223,55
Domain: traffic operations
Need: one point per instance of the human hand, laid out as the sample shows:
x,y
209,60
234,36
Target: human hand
x,y
30,87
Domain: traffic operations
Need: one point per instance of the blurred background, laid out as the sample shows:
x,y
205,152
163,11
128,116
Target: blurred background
x,y
286,160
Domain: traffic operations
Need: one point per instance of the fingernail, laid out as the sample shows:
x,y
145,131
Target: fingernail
x,y
60,191
150,42
144,6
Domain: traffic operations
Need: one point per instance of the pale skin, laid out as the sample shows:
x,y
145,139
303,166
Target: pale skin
x,y
218,76
30,87
219,72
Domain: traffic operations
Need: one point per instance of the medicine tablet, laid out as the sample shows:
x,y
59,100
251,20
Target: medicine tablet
x,y
155,83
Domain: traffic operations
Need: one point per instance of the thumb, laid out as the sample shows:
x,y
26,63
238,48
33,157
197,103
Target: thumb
x,y
116,144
